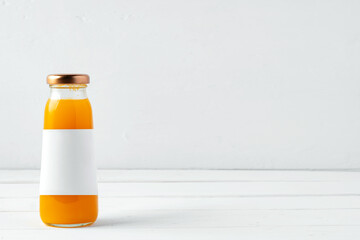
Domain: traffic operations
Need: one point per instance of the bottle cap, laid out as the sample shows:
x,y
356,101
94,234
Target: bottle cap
x,y
68,79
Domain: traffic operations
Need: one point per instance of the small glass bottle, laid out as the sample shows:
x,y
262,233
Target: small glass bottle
x,y
68,187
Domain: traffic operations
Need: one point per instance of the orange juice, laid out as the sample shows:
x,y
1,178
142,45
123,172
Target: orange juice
x,y
68,189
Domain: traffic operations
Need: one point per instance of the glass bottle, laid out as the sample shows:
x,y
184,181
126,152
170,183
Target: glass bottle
x,y
68,187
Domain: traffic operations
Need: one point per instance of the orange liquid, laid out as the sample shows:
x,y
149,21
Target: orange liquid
x,y
68,209
68,114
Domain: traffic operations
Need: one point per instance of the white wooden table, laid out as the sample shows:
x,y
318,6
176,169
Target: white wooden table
x,y
172,204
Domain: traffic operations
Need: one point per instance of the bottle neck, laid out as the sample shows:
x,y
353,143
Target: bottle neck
x,y
68,91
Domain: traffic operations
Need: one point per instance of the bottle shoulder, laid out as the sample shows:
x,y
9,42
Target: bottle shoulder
x,y
68,114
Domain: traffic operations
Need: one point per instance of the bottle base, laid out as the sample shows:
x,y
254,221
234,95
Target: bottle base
x,y
75,225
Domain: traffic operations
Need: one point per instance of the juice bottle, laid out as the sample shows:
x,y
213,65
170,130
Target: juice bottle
x,y
68,188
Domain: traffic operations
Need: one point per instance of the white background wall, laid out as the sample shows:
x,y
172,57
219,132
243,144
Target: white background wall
x,y
189,84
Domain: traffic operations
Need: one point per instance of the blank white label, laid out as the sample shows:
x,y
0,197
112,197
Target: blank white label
x,y
67,164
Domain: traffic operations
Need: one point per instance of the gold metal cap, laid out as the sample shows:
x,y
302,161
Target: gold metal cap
x,y
68,79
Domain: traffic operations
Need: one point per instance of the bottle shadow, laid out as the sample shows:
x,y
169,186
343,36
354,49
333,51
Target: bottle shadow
x,y
156,218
